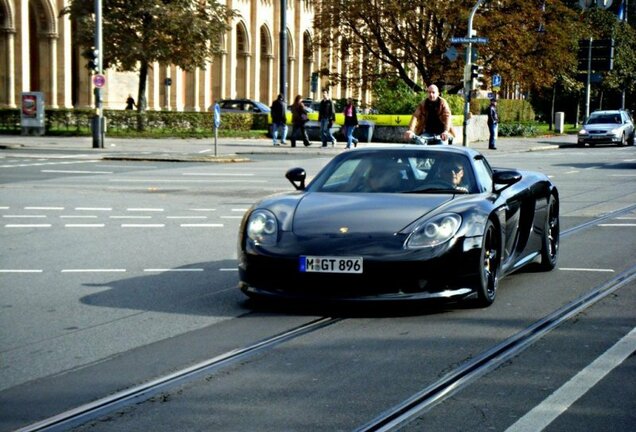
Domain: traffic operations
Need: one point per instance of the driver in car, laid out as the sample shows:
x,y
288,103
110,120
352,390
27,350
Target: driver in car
x,y
452,173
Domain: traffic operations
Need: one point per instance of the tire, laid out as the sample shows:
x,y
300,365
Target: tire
x,y
551,236
623,140
487,280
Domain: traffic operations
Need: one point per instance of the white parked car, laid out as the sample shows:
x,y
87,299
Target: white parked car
x,y
607,127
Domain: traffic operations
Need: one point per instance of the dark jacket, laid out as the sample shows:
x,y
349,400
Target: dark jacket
x,y
297,114
278,111
351,120
326,110
493,117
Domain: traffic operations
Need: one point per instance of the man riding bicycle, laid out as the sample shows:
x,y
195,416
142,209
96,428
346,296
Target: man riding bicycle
x,y
431,117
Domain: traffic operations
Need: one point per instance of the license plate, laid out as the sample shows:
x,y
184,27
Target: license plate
x,y
327,264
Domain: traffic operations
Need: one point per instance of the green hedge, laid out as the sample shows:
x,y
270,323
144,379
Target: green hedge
x,y
509,110
79,121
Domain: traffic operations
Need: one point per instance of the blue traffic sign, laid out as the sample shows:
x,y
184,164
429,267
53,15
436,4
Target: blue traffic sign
x,y
217,116
496,80
466,40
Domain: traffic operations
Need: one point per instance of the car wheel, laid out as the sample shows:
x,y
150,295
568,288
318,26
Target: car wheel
x,y
551,236
487,281
623,140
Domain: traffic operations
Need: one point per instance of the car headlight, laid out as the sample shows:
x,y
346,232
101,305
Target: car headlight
x,y
262,227
617,132
582,132
433,232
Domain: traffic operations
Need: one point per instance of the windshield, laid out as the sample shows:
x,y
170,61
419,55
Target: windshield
x,y
388,171
604,119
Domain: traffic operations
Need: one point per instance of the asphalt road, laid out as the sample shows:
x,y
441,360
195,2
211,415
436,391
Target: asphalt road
x,y
119,267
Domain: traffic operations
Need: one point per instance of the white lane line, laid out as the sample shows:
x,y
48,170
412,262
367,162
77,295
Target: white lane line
x,y
93,270
23,216
5,208
130,217
626,218
572,172
161,270
202,209
128,166
186,217
21,271
220,174
622,175
586,269
75,171
78,216
93,208
239,210
231,217
124,180
558,402
202,225
27,226
143,225
618,225
84,225
44,208
204,151
228,269
145,209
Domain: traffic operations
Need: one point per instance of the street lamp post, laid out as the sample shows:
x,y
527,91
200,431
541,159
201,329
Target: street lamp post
x,y
98,122
283,49
467,80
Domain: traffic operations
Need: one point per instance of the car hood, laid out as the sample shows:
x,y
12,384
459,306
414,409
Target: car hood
x,y
602,127
324,213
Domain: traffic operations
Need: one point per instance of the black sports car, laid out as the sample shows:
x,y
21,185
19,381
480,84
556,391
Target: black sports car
x,y
399,223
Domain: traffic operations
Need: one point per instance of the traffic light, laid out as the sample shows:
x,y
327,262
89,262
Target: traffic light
x,y
476,75
93,59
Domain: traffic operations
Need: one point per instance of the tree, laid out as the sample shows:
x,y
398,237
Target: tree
x,y
529,42
137,33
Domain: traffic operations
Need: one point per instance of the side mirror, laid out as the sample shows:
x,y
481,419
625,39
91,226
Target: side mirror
x,y
297,177
505,178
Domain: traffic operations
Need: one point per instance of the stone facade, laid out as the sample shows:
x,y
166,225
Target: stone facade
x,y
37,54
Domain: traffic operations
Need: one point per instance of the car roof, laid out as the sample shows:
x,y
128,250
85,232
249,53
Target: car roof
x,y
470,152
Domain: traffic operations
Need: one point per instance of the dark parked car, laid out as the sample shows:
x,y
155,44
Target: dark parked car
x,y
399,223
607,127
243,105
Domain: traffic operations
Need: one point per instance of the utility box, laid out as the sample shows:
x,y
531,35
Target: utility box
x,y
32,113
559,118
364,131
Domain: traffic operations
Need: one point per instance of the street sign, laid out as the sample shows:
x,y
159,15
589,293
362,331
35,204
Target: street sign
x,y
217,116
99,80
451,53
466,40
496,81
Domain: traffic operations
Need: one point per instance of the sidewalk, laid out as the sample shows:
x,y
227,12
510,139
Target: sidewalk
x,y
231,149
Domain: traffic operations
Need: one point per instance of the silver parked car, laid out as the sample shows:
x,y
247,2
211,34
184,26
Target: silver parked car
x,y
607,127
243,106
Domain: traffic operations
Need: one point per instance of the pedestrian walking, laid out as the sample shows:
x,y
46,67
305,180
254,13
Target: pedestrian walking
x,y
299,118
130,102
326,116
350,123
493,124
279,120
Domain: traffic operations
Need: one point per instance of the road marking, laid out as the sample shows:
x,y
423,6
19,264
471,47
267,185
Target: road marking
x,y
78,216
84,225
559,401
44,208
124,180
27,226
130,217
161,270
239,210
201,225
220,174
186,217
142,225
228,269
618,225
622,175
587,269
93,209
93,270
626,217
145,209
231,217
76,172
23,216
205,151
20,271
5,208
572,172
202,209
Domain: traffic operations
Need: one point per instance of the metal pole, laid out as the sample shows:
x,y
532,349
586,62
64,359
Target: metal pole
x,y
467,86
98,126
588,84
283,49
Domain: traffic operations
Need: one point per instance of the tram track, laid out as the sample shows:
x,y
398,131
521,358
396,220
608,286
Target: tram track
x,y
399,414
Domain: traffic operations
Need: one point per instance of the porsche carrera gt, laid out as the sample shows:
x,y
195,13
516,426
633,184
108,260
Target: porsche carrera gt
x,y
399,223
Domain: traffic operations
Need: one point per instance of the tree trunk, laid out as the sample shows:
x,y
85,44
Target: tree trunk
x,y
142,103
552,108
